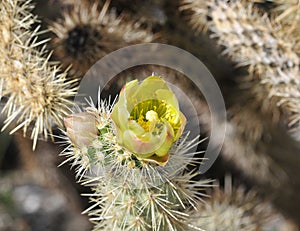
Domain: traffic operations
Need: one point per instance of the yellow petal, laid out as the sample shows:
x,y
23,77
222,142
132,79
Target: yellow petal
x,y
168,97
168,141
144,146
148,87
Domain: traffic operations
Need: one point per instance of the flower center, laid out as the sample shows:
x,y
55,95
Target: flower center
x,y
150,112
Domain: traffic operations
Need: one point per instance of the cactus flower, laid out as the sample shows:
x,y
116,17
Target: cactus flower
x,y
81,128
147,119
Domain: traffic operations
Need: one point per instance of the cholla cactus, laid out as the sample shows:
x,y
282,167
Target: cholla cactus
x,y
253,40
138,182
288,13
86,34
233,209
37,92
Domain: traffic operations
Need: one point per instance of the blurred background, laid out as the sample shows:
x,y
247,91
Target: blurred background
x,y
257,173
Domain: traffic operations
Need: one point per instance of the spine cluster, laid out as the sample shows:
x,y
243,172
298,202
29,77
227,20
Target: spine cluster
x,y
88,32
128,193
253,40
230,208
36,90
132,192
287,13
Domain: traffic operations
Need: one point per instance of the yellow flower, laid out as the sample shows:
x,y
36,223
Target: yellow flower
x,y
147,119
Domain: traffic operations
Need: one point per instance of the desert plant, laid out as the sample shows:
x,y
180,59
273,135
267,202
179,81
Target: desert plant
x,y
87,33
269,57
134,158
133,153
233,208
36,90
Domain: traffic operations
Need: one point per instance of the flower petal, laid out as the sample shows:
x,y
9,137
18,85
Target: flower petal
x,y
144,146
182,126
148,136
148,87
81,128
168,97
168,141
157,159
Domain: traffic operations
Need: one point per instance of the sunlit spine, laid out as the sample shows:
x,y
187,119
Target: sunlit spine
x,y
36,90
253,40
231,208
129,193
